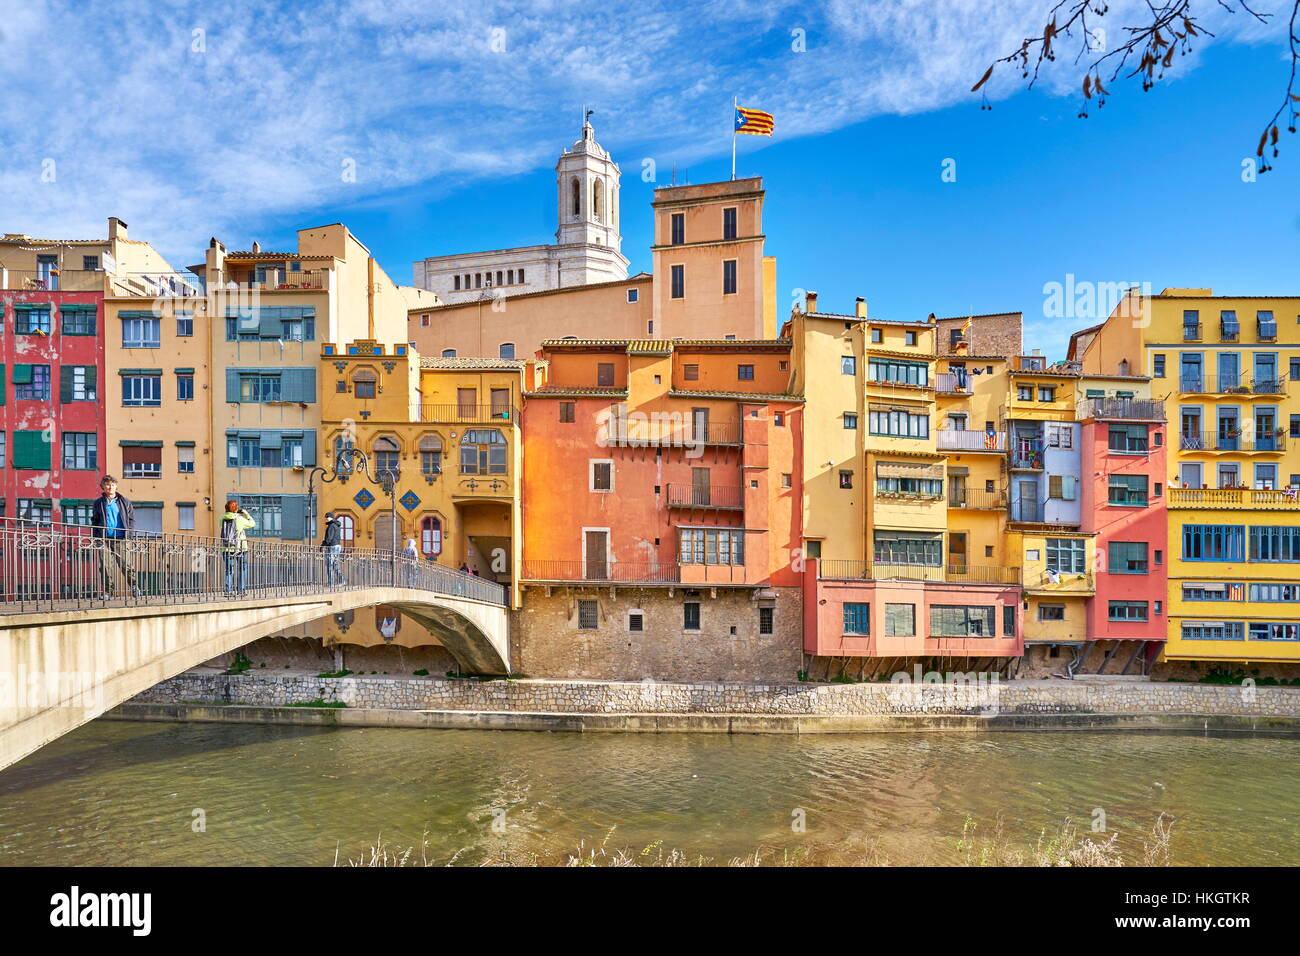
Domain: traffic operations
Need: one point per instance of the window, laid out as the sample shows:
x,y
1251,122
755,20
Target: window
x,y
728,276
691,616
857,618
909,338
766,620
600,475
813,549
778,419
877,336
78,322
900,620
729,222
185,386
35,509
1051,612
953,621
900,485
364,383
1213,542
259,386
1127,489
483,452
1127,557
32,321
1047,393
745,373
1008,620
846,478
184,324
678,282
712,546
1191,325
1024,393
388,458
898,422
1268,592
75,512
1128,610
448,353
1065,555
1158,366
678,228
185,459
850,420
690,373
1266,325
506,350
141,333
142,461
1060,436
567,410
898,372
1212,631
1279,543
90,263
786,478
1128,439
632,294
32,383
636,620
914,548
431,536
267,512
1229,328
80,451
430,455
185,517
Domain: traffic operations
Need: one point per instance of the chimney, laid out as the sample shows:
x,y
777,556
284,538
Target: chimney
x,y
215,260
1035,351
810,302
257,246
860,307
116,228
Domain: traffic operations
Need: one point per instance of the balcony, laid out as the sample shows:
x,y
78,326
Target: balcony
x,y
949,383
278,280
673,429
1026,510
53,280
1234,498
1213,441
960,439
1062,582
1191,331
601,572
712,498
1027,456
1122,409
835,570
976,499
464,413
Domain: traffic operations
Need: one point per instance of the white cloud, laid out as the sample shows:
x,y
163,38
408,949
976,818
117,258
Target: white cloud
x,y
186,144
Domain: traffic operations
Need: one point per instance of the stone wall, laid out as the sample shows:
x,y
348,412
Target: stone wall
x,y
648,697
547,641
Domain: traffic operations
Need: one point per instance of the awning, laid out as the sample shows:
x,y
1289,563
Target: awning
x,y
908,469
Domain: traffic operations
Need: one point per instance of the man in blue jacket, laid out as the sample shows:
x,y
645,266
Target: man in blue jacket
x,y
112,518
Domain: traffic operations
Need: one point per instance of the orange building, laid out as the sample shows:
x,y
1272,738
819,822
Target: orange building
x,y
661,511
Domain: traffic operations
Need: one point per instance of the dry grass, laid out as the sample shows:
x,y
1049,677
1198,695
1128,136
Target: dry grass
x,y
1067,845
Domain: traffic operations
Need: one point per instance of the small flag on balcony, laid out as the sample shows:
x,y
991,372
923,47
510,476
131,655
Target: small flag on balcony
x,y
754,121
990,439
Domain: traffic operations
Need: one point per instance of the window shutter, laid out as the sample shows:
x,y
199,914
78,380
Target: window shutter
x,y
1054,486
232,384
309,448
66,374
92,379
31,450
298,384
269,325
293,517
2,383
270,439
1067,487
22,374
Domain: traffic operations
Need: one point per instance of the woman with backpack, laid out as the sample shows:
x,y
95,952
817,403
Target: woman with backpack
x,y
235,525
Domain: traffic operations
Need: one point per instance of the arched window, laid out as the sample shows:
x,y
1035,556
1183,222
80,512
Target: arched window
x,y
343,463
431,537
387,453
348,530
483,452
364,383
577,198
506,350
430,455
598,200
448,353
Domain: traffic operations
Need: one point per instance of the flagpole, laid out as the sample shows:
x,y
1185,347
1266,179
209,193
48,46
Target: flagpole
x,y
734,103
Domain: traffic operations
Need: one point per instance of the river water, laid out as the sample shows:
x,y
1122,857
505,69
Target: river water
x,y
120,793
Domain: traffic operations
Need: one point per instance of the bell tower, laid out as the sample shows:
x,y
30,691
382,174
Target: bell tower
x,y
587,186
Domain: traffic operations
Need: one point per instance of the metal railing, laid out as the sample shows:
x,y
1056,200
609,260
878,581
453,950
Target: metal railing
x,y
57,280
1213,441
976,498
688,496
464,413
52,566
672,429
951,383
1025,509
1027,455
1233,498
1122,409
959,439
603,572
1191,331
275,280
841,570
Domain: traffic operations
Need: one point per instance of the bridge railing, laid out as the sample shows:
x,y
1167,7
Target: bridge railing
x,y
52,566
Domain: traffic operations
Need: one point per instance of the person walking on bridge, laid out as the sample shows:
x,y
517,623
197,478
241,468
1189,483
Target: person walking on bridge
x,y
332,545
235,525
112,519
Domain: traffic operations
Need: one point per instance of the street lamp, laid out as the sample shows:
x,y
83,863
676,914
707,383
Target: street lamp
x,y
347,463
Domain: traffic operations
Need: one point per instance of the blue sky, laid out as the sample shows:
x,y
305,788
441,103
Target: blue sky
x,y
188,126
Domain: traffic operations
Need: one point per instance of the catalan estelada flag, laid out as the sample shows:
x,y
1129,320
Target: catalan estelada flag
x,y
754,121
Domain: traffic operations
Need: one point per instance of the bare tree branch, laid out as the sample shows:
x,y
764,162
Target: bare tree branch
x,y
1148,51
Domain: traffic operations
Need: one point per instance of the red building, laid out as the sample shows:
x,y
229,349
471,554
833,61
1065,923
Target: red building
x,y
51,413
1124,502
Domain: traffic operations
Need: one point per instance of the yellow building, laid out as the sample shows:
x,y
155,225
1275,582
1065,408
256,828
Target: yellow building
x,y
1225,368
115,266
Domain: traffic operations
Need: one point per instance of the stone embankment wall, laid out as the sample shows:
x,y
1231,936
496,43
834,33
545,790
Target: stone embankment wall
x,y
647,697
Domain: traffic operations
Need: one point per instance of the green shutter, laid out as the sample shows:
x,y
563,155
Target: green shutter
x,y
65,383
31,450
309,448
298,384
269,439
232,385
22,374
269,324
2,383
92,380
293,517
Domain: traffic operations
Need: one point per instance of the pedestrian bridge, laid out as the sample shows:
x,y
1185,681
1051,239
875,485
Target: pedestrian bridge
x,y
87,624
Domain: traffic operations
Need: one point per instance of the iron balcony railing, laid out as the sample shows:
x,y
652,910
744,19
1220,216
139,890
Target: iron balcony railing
x,y
602,571
1215,441
464,413
976,499
724,497
953,383
1233,383
51,566
960,439
1122,409
275,280
1027,455
1026,510
672,429
1191,331
1233,498
840,570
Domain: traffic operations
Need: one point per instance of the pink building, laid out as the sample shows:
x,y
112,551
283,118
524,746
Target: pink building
x,y
1124,503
